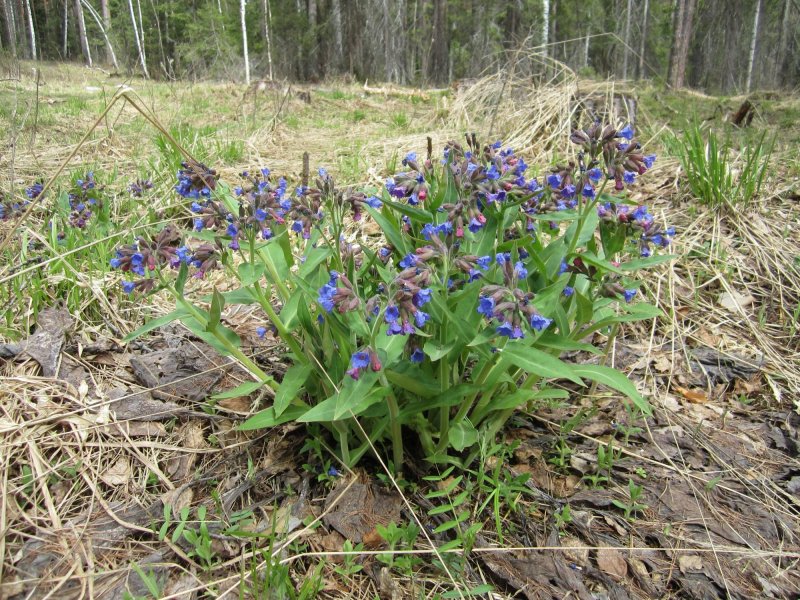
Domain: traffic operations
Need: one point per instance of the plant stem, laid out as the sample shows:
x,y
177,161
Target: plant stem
x,y
396,429
343,434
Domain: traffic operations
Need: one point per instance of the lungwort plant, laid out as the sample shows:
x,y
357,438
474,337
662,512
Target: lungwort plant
x,y
485,278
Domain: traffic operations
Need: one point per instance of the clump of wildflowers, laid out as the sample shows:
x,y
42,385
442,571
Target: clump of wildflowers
x,y
85,198
196,180
139,187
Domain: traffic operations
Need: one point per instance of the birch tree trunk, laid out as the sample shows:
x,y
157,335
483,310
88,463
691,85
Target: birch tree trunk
x,y
643,41
81,25
65,32
545,26
96,17
31,30
626,50
338,39
242,11
267,19
440,59
139,44
782,45
753,44
106,13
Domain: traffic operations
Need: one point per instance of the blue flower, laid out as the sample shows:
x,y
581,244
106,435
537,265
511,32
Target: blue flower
x,y
568,191
261,332
374,202
265,171
232,230
649,160
34,191
260,215
297,226
395,329
629,177
410,260
475,225
554,180
517,333
505,329
410,157
538,322
519,270
422,297
392,314
196,208
492,173
562,268
588,191
198,224
420,318
568,291
326,293
359,360
333,472
322,172
417,356
184,254
595,174
626,132
483,262
486,306
629,295
128,286
503,257
115,263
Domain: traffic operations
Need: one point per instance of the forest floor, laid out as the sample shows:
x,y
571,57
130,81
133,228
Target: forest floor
x,y
701,500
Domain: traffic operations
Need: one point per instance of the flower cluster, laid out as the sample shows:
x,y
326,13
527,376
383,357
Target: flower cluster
x,y
10,207
510,307
144,256
138,187
343,298
638,222
84,199
361,360
196,180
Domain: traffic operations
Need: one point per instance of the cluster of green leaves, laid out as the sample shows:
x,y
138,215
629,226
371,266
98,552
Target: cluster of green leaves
x,y
720,175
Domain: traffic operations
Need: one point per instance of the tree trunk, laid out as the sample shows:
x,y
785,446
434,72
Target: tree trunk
x,y
267,20
242,11
783,45
545,26
65,48
109,48
31,29
643,41
81,25
139,44
338,39
8,21
106,14
682,18
626,50
440,53
753,44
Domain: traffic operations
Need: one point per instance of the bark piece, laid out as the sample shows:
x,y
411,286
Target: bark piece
x,y
45,345
359,508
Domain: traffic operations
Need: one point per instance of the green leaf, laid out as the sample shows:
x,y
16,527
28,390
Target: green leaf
x,y
240,296
243,389
215,311
538,363
210,338
274,253
644,263
249,273
548,339
293,381
616,380
434,350
509,401
268,418
420,216
175,315
390,230
180,280
462,435
418,382
603,265
314,258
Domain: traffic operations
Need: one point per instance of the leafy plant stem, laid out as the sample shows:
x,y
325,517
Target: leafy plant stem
x,y
606,353
395,425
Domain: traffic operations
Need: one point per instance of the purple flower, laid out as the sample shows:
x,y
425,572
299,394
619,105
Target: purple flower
x,y
261,332
629,295
475,225
595,175
486,306
629,177
626,132
420,318
410,157
483,262
492,173
394,328
503,257
359,360
260,215
520,271
128,286
408,261
568,191
562,268
649,160
554,180
568,291
505,329
422,297
538,322
392,314
374,202
34,191
588,191
417,356
326,293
